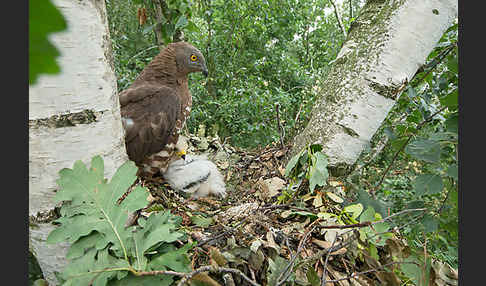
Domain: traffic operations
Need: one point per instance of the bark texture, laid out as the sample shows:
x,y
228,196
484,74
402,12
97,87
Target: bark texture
x,y
385,46
74,115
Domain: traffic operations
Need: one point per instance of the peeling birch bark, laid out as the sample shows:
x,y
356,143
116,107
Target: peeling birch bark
x,y
74,115
385,46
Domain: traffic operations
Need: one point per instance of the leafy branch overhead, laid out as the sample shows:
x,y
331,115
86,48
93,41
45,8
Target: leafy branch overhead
x,y
104,250
42,53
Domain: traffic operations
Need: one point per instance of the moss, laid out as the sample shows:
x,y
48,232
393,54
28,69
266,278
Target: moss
x,y
388,91
66,120
364,45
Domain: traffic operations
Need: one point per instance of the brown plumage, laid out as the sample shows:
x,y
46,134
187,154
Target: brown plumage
x,y
155,107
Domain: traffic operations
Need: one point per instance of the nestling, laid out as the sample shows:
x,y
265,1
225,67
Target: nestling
x,y
196,175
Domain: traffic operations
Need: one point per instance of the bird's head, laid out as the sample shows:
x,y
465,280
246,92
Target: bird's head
x,y
189,59
181,147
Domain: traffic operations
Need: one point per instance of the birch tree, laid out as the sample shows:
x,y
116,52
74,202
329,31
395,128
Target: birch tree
x,y
73,115
384,48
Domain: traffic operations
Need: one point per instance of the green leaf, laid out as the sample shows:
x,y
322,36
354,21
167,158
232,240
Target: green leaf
x,y
275,268
428,184
389,133
44,19
452,172
424,149
160,227
83,244
130,280
292,163
354,209
312,277
201,221
374,252
451,100
367,215
192,27
173,258
318,174
430,223
181,22
81,270
452,65
412,270
452,124
398,143
93,200
367,201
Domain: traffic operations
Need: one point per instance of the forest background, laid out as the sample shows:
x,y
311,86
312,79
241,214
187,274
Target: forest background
x,y
264,54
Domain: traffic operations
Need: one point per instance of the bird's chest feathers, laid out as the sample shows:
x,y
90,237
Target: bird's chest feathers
x,y
186,98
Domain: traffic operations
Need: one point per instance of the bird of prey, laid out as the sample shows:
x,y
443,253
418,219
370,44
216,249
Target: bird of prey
x,y
154,108
195,175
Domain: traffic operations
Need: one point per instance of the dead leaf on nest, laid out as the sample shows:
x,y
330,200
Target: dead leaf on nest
x,y
385,277
334,197
254,165
223,165
266,156
279,153
337,275
270,242
150,198
281,170
325,245
445,275
228,175
237,212
274,185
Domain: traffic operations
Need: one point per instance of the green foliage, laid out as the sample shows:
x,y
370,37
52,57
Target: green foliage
x,y
44,19
426,173
103,251
378,234
276,267
258,53
309,164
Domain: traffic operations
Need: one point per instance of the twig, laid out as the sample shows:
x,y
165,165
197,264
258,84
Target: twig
x,y
350,9
280,128
425,257
371,270
188,276
438,59
370,223
325,262
445,200
338,18
231,230
298,112
340,226
286,273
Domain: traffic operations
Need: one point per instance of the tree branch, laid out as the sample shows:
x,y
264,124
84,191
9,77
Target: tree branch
x,y
338,18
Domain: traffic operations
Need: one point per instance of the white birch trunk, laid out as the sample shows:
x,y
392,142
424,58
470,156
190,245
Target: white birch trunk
x,y
85,93
385,46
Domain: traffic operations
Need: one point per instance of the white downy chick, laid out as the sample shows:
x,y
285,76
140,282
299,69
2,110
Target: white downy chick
x,y
195,175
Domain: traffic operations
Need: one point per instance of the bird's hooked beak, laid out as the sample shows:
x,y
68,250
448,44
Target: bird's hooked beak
x,y
205,72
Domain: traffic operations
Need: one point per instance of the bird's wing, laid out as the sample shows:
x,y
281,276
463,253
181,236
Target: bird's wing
x,y
149,114
185,176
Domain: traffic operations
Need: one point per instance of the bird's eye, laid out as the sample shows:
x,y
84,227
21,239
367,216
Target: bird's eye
x,y
193,58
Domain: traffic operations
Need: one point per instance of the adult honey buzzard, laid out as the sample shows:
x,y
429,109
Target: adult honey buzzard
x,y
154,108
